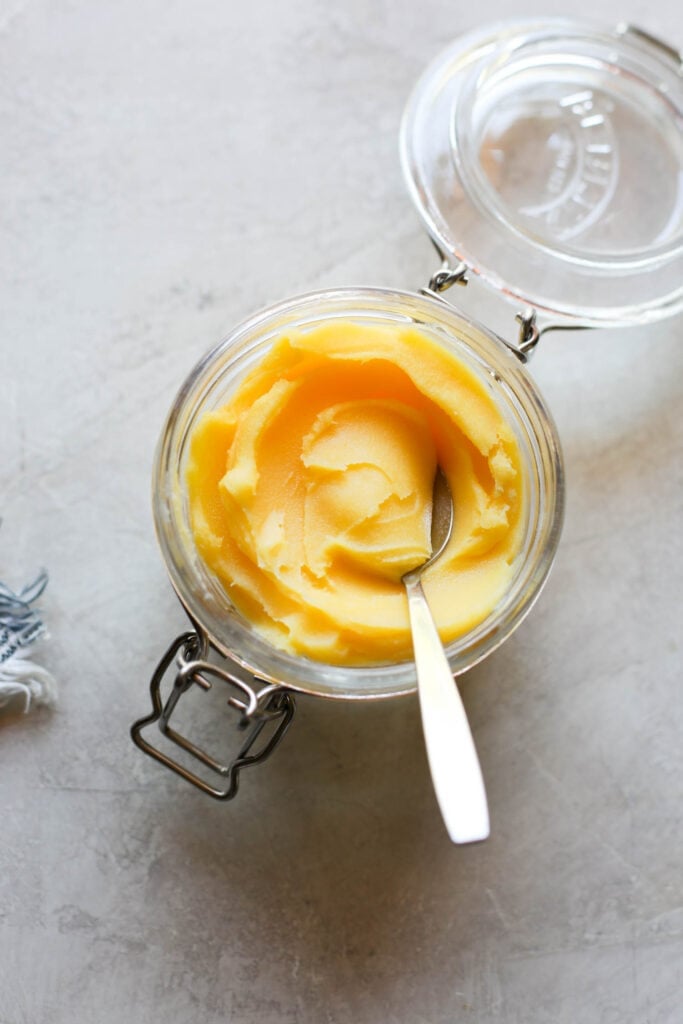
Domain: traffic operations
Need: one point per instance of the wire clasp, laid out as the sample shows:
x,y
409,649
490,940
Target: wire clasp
x,y
266,714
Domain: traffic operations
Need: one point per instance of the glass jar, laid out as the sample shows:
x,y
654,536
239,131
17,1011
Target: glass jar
x,y
216,377
522,148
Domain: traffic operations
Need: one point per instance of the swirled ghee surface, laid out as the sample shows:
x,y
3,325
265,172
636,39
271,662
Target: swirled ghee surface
x,y
310,491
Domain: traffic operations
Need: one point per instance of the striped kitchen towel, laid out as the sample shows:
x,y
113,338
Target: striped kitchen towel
x,y
22,681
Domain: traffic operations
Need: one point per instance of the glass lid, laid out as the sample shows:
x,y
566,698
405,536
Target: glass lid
x,y
548,157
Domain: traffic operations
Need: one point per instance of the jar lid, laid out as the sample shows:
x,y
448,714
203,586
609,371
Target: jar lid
x,y
548,157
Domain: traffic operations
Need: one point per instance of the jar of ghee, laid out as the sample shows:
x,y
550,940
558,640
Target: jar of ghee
x,y
544,158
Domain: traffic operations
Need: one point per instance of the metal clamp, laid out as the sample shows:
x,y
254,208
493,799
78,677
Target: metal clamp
x,y
529,334
270,708
446,276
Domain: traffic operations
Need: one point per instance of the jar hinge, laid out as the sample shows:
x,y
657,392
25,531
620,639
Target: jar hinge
x,y
446,276
266,713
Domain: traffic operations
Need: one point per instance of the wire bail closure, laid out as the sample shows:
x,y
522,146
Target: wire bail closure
x,y
268,710
446,276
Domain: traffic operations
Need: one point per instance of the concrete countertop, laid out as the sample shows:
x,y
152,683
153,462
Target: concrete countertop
x,y
167,170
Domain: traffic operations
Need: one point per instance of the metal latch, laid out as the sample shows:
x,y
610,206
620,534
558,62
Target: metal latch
x,y
446,276
265,714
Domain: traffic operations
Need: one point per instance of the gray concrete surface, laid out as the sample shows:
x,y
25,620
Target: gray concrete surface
x,y
166,170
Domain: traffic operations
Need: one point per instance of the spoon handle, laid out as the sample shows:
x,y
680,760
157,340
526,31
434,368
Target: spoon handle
x,y
451,753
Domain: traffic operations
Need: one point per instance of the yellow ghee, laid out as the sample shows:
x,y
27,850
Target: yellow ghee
x,y
310,491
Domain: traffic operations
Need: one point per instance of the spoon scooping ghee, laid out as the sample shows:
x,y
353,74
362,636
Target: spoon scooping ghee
x,y
453,761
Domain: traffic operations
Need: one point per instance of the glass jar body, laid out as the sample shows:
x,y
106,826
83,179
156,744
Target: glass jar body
x,y
219,373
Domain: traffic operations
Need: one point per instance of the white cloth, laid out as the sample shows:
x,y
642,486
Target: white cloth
x,y
21,679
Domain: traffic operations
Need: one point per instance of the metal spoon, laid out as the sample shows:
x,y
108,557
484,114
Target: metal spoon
x,y
452,756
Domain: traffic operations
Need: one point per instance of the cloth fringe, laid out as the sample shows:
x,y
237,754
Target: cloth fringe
x,y
20,626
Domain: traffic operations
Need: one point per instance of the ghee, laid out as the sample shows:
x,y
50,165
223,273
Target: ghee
x,y
310,491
